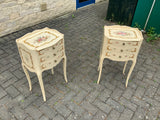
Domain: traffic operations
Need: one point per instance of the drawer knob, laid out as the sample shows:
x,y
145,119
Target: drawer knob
x,y
119,56
109,42
42,59
54,54
121,50
123,44
43,66
41,53
53,48
55,61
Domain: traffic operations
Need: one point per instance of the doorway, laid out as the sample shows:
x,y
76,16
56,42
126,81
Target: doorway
x,y
81,3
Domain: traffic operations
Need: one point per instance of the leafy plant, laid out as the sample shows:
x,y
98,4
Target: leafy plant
x,y
158,49
120,23
94,81
112,17
152,35
137,26
151,30
73,16
130,81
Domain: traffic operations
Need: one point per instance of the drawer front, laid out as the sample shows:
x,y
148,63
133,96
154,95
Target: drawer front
x,y
49,64
51,56
120,56
123,44
123,50
55,48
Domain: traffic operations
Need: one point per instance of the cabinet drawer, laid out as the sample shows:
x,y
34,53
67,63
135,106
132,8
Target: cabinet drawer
x,y
123,50
50,64
120,56
55,48
124,44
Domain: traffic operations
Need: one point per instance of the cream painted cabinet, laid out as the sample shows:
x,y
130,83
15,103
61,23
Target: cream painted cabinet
x,y
41,50
120,43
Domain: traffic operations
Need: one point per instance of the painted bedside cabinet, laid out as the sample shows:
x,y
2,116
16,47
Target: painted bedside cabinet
x,y
121,43
41,50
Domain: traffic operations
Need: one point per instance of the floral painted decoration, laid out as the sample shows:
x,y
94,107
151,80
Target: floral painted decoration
x,y
122,33
41,39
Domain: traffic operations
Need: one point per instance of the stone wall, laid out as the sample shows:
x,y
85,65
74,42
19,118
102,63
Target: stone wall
x,y
18,14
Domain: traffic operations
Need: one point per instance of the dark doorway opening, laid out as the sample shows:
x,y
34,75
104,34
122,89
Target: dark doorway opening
x,y
81,3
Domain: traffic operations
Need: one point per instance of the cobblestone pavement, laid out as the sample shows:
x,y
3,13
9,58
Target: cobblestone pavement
x,y
81,98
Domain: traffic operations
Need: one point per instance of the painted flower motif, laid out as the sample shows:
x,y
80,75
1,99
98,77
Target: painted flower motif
x,y
43,38
122,33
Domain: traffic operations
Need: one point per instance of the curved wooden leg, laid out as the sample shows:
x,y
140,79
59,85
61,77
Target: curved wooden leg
x,y
99,63
125,67
52,71
99,59
64,69
39,75
100,70
130,71
28,78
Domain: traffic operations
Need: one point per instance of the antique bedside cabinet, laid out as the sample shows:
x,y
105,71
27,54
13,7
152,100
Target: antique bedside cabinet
x,y
41,50
120,43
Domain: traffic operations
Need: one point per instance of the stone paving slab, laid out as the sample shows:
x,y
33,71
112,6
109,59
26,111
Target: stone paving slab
x,y
81,98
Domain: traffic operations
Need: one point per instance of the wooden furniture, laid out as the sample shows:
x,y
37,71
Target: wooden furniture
x,y
121,43
41,50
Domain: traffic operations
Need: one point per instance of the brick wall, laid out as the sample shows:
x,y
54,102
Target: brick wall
x,y
18,14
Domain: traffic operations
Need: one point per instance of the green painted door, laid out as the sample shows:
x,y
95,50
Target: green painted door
x,y
142,12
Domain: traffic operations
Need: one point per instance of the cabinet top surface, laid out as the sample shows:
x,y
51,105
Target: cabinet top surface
x,y
124,33
40,39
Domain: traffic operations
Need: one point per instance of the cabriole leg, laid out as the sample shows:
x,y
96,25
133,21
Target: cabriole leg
x,y
130,71
39,75
64,68
125,67
100,70
28,78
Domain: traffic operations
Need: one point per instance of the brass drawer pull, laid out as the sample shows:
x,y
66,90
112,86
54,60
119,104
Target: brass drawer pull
x,y
40,53
42,60
43,66
109,42
108,48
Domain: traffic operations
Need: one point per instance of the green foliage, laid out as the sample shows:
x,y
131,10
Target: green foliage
x,y
112,16
137,26
121,23
73,16
152,35
130,81
158,49
95,81
151,30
